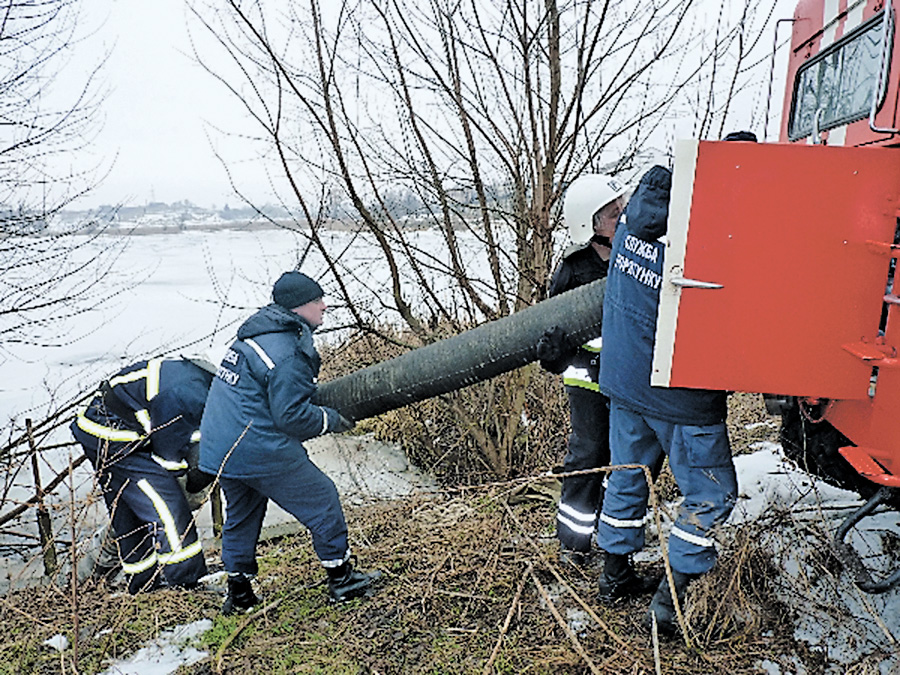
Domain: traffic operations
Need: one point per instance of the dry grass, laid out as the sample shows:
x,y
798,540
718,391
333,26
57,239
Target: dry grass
x,y
470,582
749,410
109,625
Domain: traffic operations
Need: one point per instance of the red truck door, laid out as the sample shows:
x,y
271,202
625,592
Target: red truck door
x,y
776,267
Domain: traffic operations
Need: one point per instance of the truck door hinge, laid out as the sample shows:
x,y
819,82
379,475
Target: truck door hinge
x,y
883,248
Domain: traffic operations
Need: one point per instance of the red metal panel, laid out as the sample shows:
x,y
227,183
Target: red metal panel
x,y
790,231
805,42
859,133
874,423
817,25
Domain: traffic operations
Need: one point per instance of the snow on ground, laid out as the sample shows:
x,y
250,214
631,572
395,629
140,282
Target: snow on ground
x,y
767,479
797,517
172,649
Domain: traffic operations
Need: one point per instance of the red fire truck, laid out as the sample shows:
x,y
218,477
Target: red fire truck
x,y
781,259
779,273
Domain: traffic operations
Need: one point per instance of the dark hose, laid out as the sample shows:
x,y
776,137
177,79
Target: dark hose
x,y
473,356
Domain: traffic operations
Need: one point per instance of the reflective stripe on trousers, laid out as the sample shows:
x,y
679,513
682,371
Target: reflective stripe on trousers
x,y
588,448
177,554
700,460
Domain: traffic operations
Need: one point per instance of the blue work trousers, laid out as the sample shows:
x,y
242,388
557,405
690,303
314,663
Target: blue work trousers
x,y
150,516
308,495
700,460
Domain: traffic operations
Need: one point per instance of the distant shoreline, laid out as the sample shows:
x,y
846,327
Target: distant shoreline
x,y
126,229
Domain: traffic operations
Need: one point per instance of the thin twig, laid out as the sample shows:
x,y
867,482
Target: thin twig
x,y
509,615
237,631
863,597
39,622
664,550
552,568
465,596
74,580
654,634
27,504
434,572
623,646
562,622
45,529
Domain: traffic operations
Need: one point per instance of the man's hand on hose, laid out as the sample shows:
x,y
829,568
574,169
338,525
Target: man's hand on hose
x,y
553,350
343,424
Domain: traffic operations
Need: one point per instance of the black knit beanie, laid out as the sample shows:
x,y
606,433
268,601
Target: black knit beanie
x,y
294,289
741,136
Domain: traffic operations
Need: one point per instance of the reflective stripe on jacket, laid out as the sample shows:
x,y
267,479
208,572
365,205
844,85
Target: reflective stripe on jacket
x,y
581,265
159,400
584,371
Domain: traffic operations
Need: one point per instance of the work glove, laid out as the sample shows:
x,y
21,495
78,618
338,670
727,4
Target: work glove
x,y
343,424
195,479
553,350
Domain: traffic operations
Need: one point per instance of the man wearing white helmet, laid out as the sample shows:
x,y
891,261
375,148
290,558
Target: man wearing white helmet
x,y
593,204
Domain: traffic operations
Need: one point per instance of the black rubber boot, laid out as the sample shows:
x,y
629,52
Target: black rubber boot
x,y
663,607
577,559
620,580
345,583
240,594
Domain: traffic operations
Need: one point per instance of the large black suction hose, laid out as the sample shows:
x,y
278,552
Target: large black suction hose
x,y
474,356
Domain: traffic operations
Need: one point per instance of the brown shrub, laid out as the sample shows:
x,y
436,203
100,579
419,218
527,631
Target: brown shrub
x,y
512,425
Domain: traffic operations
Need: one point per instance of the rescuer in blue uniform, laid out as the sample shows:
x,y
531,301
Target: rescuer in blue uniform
x,y
688,425
138,433
592,206
258,415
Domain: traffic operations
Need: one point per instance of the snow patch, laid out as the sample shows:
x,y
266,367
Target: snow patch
x,y
164,655
798,516
58,642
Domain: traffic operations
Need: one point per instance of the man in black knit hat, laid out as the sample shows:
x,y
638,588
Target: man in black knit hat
x,y
258,414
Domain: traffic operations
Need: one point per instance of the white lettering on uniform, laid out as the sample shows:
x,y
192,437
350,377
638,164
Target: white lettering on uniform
x,y
644,249
637,271
649,278
227,376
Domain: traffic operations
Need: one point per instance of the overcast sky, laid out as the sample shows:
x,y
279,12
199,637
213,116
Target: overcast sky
x,y
160,105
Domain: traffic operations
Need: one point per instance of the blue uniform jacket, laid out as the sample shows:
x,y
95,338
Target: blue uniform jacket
x,y
161,399
259,409
629,314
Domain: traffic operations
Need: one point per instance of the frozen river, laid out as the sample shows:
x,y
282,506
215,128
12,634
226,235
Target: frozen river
x,y
187,292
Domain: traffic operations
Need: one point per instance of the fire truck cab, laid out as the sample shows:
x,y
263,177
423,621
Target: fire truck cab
x,y
840,87
843,92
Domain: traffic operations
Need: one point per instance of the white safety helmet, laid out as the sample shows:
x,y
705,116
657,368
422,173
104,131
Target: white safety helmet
x,y
585,196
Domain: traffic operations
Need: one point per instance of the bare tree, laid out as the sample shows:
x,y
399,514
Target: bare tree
x,y
46,119
481,112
